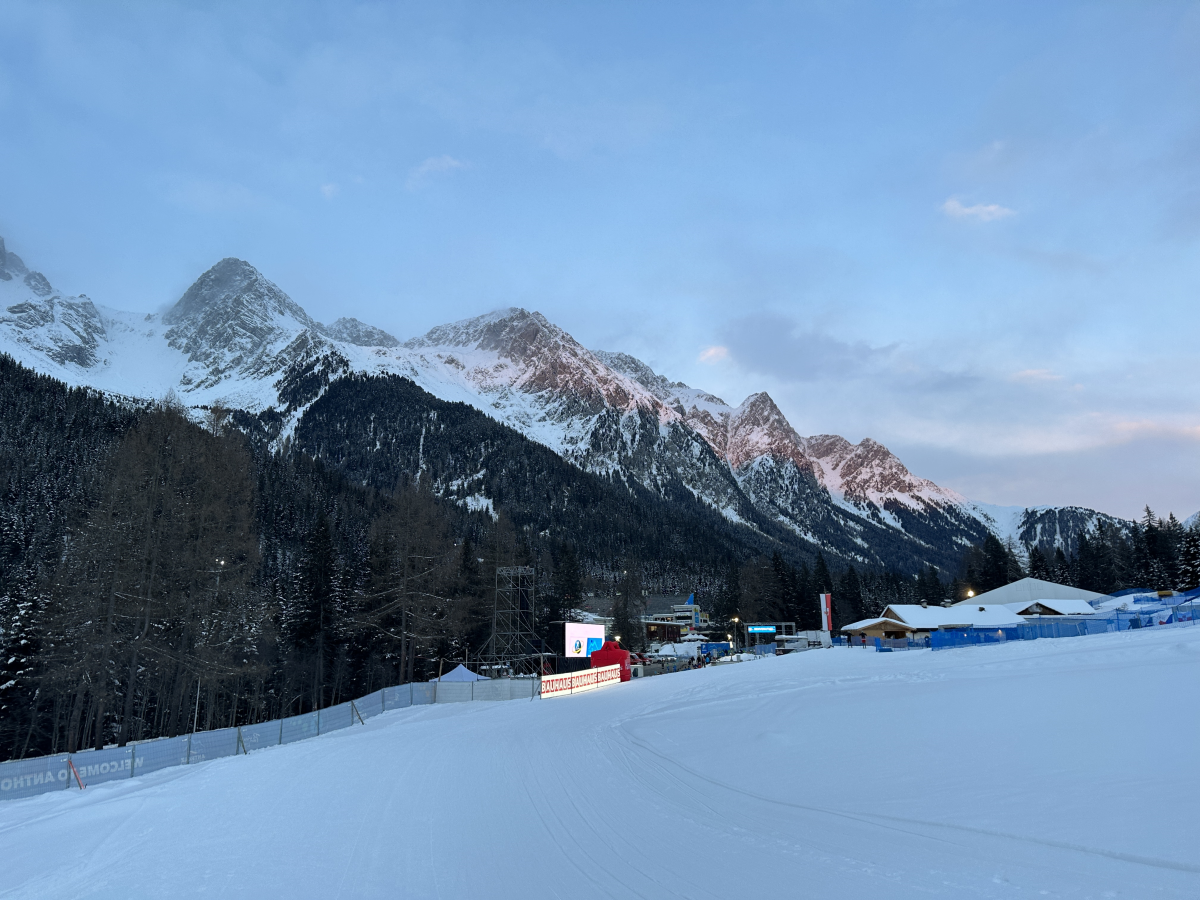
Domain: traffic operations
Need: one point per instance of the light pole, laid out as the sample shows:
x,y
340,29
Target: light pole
x,y
735,624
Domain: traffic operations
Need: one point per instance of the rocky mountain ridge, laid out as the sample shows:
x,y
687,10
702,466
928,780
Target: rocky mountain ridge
x,y
235,338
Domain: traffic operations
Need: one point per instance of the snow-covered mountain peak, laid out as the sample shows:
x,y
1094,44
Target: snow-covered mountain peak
x,y
234,321
521,350
237,339
234,290
10,264
486,332
662,388
758,428
42,324
352,331
867,472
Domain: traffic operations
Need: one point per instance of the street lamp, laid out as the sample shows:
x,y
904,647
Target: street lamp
x,y
970,594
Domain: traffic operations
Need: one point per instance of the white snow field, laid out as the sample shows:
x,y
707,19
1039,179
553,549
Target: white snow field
x,y
1061,768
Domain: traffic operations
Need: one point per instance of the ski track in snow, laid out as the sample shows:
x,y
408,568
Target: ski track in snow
x,y
1049,768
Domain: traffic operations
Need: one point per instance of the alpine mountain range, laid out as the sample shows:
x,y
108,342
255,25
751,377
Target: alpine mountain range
x,y
380,408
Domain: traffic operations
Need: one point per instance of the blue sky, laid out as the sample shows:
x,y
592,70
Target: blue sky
x,y
968,230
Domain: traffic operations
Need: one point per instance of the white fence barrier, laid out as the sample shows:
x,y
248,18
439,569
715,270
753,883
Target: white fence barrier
x,y
577,682
29,777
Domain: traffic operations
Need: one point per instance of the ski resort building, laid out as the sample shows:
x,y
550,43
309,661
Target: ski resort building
x,y
684,613
901,620
1053,608
1028,591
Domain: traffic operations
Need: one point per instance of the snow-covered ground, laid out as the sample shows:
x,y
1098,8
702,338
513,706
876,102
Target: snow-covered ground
x,y
1060,768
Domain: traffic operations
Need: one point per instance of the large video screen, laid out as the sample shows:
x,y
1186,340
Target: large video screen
x,y
583,639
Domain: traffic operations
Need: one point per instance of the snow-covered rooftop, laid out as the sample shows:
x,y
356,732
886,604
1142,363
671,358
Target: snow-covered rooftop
x,y
1055,607
928,618
1029,590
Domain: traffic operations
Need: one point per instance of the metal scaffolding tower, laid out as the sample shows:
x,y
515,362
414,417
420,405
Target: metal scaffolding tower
x,y
513,641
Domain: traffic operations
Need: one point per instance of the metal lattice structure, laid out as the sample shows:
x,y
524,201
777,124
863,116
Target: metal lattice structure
x,y
513,642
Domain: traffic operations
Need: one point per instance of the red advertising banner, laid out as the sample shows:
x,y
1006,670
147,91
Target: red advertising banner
x,y
826,601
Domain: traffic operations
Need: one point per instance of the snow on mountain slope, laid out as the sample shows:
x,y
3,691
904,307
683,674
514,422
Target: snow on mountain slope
x,y
530,374
227,340
785,473
235,338
1002,521
352,331
1062,772
1048,527
234,322
42,324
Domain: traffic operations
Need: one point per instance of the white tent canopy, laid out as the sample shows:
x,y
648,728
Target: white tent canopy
x,y
461,673
1028,591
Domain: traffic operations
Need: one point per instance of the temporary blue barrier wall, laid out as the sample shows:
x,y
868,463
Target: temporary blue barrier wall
x,y
1067,626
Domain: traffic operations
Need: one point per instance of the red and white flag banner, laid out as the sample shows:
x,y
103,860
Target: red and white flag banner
x,y
826,611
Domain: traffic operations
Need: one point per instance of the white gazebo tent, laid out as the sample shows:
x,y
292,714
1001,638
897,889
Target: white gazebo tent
x,y
461,673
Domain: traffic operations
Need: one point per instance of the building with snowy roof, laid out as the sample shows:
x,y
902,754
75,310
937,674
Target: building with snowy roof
x,y
1053,608
901,620
1031,590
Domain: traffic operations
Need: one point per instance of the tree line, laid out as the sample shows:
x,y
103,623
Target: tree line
x,y
159,574
1151,554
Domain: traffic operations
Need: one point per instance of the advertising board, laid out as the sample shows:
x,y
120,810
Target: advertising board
x,y
582,639
578,682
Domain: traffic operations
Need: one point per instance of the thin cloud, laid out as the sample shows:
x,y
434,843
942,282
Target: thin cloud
x,y
1035,375
434,165
329,191
982,212
1149,428
712,355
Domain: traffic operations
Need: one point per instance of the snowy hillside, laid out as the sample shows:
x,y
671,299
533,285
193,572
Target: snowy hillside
x,y
791,477
1047,527
236,339
1058,774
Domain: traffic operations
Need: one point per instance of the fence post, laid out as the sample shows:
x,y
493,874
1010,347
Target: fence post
x,y
280,731
132,759
188,759
318,720
357,713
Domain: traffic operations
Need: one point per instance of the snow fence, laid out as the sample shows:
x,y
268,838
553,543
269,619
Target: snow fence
x,y
29,777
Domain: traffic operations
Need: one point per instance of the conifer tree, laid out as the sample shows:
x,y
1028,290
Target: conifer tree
x,y
1189,560
848,599
1038,566
729,597
1062,567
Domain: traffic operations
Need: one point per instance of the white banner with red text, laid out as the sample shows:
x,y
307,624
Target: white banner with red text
x,y
578,682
